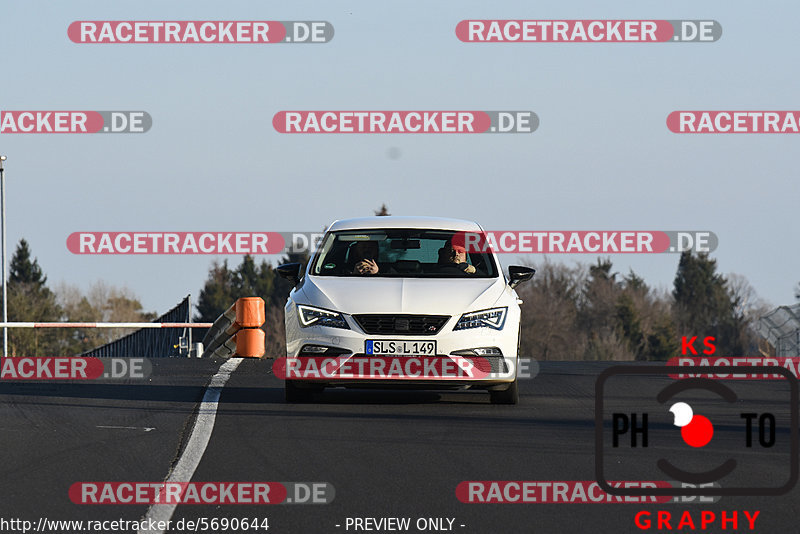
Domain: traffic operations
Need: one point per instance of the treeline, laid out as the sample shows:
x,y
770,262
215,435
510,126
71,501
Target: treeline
x,y
31,300
585,312
591,313
580,312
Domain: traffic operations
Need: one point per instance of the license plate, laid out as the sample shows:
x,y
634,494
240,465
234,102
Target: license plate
x,y
391,347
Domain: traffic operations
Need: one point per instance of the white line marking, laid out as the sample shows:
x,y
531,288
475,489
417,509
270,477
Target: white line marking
x,y
145,428
198,440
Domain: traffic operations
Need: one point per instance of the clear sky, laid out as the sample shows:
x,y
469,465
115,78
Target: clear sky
x,y
602,157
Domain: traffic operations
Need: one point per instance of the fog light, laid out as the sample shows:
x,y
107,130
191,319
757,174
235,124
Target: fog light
x,y
320,350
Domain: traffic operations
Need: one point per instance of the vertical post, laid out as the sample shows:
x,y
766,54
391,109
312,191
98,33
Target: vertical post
x,y
189,320
5,277
797,345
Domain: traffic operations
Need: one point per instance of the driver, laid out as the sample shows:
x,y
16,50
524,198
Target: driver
x,y
453,258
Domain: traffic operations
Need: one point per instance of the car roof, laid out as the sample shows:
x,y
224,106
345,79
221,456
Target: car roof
x,y
391,221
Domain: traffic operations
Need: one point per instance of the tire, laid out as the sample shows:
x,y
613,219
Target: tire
x,y
293,393
509,395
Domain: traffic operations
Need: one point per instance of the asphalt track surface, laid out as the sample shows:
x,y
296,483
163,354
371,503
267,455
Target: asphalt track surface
x,y
386,453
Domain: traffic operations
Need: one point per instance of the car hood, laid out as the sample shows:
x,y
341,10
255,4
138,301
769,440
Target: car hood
x,y
433,296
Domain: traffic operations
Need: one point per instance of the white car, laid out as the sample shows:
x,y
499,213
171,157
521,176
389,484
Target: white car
x,y
408,300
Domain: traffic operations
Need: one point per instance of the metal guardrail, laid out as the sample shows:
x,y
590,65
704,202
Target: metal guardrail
x,y
237,332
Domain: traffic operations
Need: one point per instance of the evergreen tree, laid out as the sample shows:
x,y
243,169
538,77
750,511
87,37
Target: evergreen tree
x,y
30,300
630,324
704,306
662,343
223,286
635,283
217,295
25,271
253,281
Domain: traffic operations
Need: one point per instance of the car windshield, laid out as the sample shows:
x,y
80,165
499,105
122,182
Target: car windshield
x,y
409,253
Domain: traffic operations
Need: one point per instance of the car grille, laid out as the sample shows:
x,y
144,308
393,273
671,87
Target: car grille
x,y
424,325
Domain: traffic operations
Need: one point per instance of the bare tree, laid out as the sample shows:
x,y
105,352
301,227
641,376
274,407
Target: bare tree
x,y
748,307
102,303
550,311
275,332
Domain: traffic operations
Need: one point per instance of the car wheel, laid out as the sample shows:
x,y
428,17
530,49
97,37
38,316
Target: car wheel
x,y
509,395
293,393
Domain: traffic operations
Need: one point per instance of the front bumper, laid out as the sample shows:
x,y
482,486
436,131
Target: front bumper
x,y
454,346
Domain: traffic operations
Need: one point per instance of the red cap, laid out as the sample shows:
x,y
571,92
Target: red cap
x,y
457,242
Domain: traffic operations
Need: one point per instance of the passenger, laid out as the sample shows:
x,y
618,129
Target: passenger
x,y
365,256
453,259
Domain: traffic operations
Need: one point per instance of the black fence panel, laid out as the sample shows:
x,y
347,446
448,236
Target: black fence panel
x,y
153,342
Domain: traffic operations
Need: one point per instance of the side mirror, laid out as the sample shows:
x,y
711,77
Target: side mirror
x,y
519,274
290,271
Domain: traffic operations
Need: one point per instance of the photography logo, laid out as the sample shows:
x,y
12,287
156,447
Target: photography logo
x,y
741,437
696,430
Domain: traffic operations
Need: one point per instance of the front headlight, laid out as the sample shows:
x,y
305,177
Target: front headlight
x,y
311,316
494,318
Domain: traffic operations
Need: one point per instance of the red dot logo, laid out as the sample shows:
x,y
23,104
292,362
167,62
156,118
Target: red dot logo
x,y
696,430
